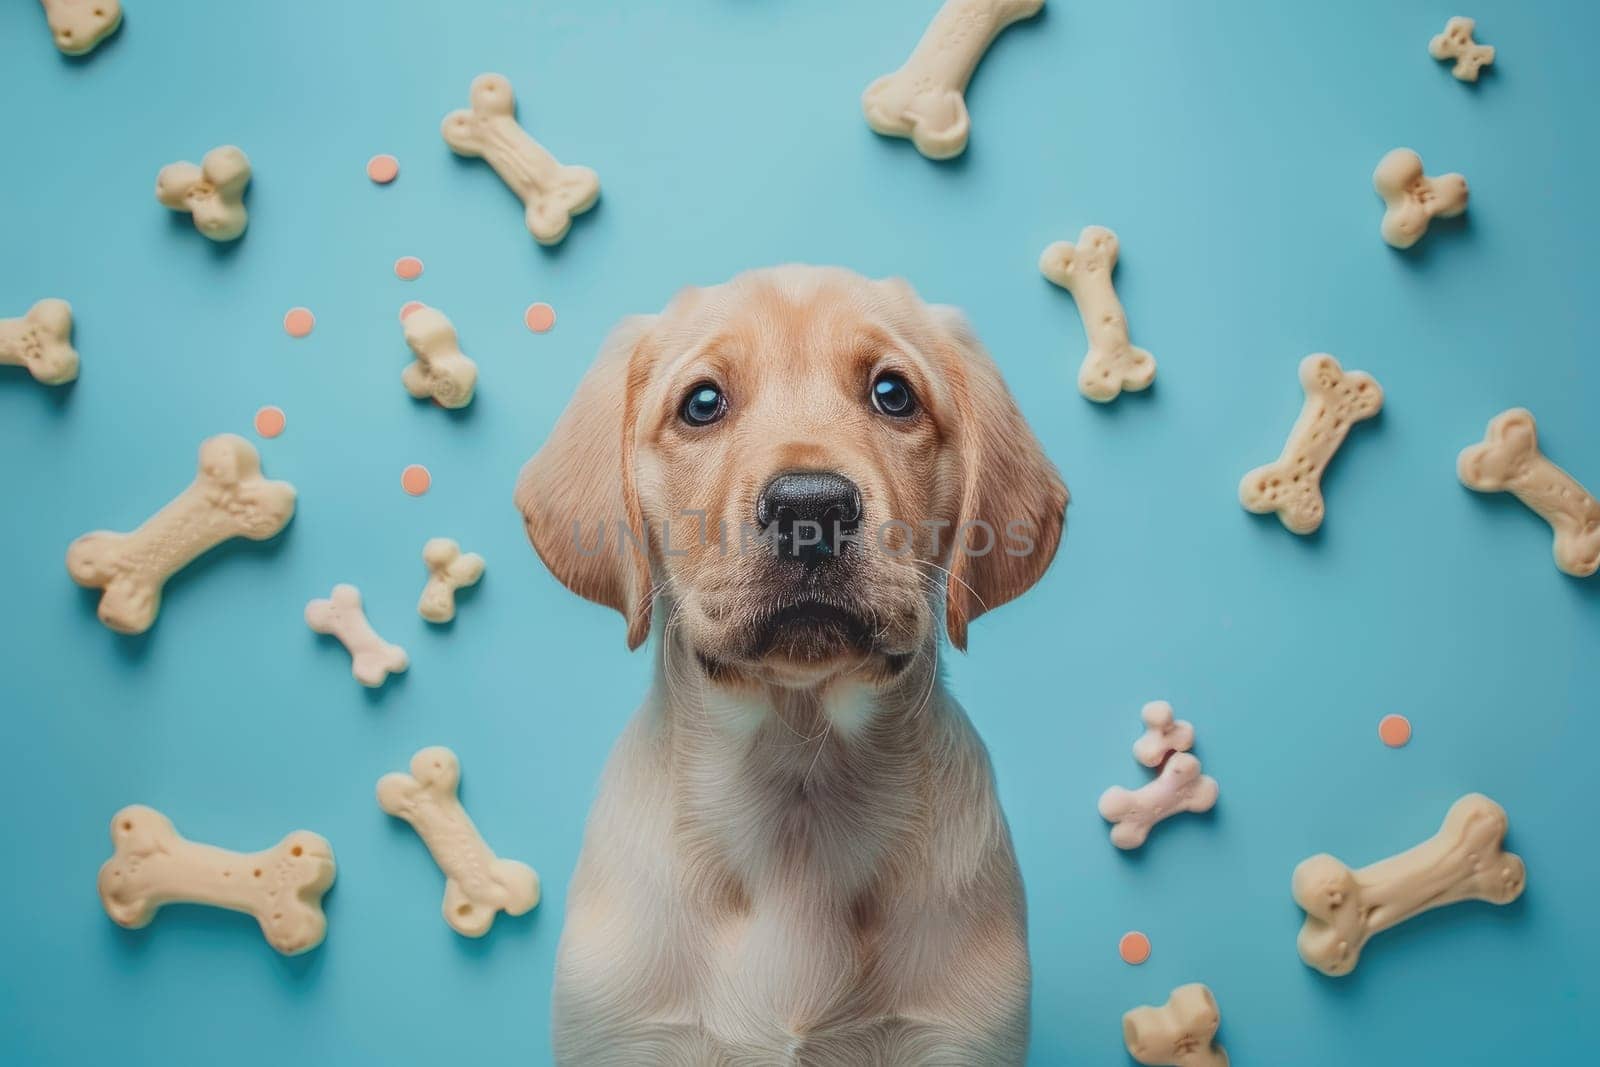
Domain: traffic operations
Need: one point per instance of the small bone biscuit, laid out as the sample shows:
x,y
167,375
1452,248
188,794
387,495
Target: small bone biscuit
x,y
1180,1033
1413,198
449,569
228,498
1508,460
213,192
551,191
372,659
1179,787
1463,861
478,884
1456,43
925,100
1292,485
440,371
1112,363
41,342
79,25
1163,734
281,886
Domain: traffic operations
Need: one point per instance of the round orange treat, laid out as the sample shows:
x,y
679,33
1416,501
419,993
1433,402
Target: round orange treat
x,y
270,421
1394,730
415,479
383,169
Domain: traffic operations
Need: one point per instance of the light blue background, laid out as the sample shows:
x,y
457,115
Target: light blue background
x,y
1230,146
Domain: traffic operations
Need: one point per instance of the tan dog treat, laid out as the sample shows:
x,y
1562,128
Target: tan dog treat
x,y
552,192
449,569
1084,270
925,100
1180,1033
213,192
1179,787
1413,198
372,659
228,498
1508,460
478,884
79,25
1463,861
1163,733
1456,43
41,343
1292,486
440,371
281,887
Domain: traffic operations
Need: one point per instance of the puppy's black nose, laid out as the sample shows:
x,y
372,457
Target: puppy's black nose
x,y
809,514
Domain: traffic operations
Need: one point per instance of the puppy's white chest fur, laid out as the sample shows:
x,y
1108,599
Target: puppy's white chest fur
x,y
794,880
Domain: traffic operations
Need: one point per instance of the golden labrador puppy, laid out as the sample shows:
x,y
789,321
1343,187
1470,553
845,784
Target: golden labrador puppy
x,y
797,855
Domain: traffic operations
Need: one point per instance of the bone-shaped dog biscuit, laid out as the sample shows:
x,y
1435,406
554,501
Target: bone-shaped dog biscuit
x,y
1180,1033
440,371
281,886
551,191
925,100
1463,861
478,884
41,343
1413,199
213,192
1112,363
1292,485
228,498
449,569
79,25
1508,460
1456,43
1179,787
1163,733
372,659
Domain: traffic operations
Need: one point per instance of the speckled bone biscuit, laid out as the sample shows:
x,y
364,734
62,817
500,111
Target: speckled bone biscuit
x,y
213,192
1463,861
449,569
440,372
282,887
1413,199
1163,733
1336,399
925,100
79,25
552,192
478,884
228,498
1180,1033
1456,43
372,659
1508,460
1112,363
1179,787
41,343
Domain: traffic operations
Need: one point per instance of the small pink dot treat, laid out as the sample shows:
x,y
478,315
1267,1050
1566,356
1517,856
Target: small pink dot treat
x,y
298,322
383,169
540,317
415,479
270,421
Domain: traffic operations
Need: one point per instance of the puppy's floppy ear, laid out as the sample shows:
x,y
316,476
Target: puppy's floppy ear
x,y
1007,484
577,493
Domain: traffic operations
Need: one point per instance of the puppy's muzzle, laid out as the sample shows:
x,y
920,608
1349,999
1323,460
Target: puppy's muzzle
x,y
811,515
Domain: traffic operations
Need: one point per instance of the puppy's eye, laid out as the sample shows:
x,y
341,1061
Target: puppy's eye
x,y
704,405
893,397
